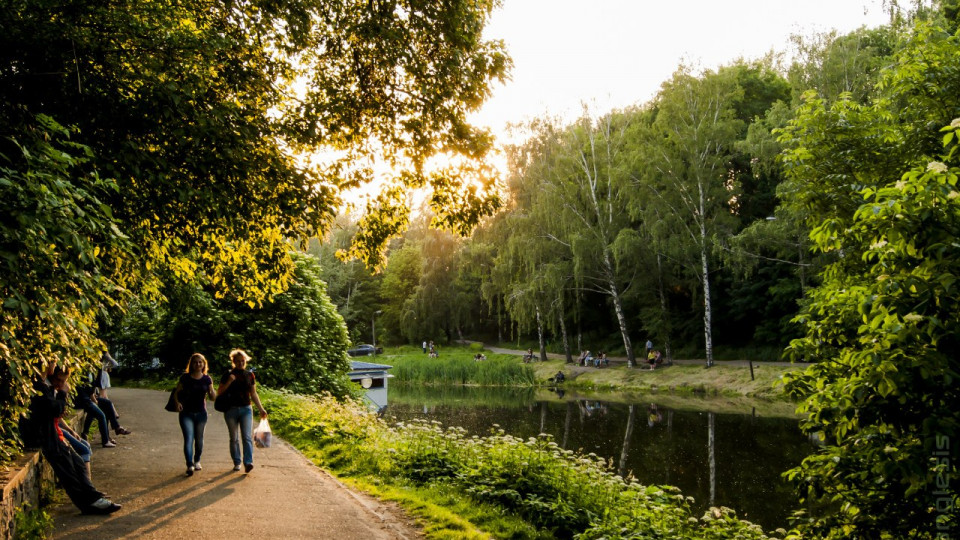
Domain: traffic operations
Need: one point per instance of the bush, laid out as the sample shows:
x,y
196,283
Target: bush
x,y
563,493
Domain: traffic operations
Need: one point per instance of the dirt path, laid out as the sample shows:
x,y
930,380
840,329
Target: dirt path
x,y
285,496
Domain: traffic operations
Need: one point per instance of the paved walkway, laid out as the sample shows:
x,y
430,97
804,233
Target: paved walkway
x,y
285,496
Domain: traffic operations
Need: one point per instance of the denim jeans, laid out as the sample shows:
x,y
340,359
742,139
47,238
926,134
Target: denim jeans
x,y
240,424
192,424
105,415
82,448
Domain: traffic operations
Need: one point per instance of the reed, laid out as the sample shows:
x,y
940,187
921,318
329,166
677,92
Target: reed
x,y
456,366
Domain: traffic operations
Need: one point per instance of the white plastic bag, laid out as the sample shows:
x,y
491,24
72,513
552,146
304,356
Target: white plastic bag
x,y
262,435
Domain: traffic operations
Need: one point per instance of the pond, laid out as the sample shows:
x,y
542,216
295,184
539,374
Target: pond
x,y
732,458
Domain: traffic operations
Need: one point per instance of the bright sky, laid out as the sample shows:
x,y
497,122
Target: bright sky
x,y
614,53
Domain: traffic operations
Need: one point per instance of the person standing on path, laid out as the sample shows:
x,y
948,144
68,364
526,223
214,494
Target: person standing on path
x,y
239,387
191,400
649,347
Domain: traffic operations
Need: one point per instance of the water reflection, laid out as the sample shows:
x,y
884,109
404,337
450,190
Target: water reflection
x,y
726,459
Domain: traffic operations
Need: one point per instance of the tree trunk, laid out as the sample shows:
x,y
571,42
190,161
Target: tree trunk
x,y
667,327
543,344
563,333
618,307
707,305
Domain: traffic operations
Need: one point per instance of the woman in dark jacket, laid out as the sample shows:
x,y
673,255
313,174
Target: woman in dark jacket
x,y
239,388
191,400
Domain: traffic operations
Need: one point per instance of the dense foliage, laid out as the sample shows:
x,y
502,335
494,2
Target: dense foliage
x,y
202,136
62,255
297,339
884,324
564,494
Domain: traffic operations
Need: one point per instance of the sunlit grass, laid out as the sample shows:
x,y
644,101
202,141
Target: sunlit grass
x,y
463,486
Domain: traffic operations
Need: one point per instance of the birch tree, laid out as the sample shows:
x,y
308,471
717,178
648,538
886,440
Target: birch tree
x,y
684,171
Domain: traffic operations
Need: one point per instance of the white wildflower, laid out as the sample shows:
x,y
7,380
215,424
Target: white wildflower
x,y
955,123
878,244
937,167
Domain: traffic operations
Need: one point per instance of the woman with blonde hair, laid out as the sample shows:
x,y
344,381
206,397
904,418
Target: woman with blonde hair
x,y
239,388
191,400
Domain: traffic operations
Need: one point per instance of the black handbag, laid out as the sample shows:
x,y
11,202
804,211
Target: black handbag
x,y
171,401
221,403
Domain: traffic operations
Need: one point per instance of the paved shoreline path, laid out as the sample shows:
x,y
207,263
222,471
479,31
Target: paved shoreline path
x,y
285,496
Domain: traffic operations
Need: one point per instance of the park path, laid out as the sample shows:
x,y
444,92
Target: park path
x,y
285,496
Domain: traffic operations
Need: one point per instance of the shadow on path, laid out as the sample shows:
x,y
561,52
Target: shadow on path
x,y
285,496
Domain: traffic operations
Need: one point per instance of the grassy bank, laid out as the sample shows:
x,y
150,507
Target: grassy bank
x,y
728,380
456,366
494,486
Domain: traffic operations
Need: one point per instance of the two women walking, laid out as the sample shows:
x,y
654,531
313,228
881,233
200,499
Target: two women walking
x,y
237,389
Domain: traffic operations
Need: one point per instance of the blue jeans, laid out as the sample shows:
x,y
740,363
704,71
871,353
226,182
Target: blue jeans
x,y
192,424
240,424
105,415
82,448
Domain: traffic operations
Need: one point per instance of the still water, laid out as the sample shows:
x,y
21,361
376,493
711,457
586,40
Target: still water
x,y
731,459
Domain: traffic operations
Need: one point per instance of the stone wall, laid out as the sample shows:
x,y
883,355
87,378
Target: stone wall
x,y
22,483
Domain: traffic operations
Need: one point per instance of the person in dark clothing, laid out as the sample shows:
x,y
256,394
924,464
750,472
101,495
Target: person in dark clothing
x,y
45,410
191,400
239,386
100,409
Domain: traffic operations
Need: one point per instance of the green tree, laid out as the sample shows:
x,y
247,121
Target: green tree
x,y
572,217
200,113
883,325
685,177
64,261
401,278
297,339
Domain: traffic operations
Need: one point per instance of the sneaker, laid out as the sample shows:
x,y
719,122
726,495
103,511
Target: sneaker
x,y
248,467
190,470
236,467
102,506
123,431
197,466
109,444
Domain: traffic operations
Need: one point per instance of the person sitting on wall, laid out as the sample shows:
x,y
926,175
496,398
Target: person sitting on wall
x,y
527,358
42,427
479,357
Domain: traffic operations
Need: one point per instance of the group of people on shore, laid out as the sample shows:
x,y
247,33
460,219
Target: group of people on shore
x,y
68,452
587,359
431,349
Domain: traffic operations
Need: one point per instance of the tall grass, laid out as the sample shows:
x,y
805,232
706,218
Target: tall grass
x,y
559,493
457,366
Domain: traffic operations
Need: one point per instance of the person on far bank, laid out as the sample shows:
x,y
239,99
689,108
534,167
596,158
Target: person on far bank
x,y
191,400
240,387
